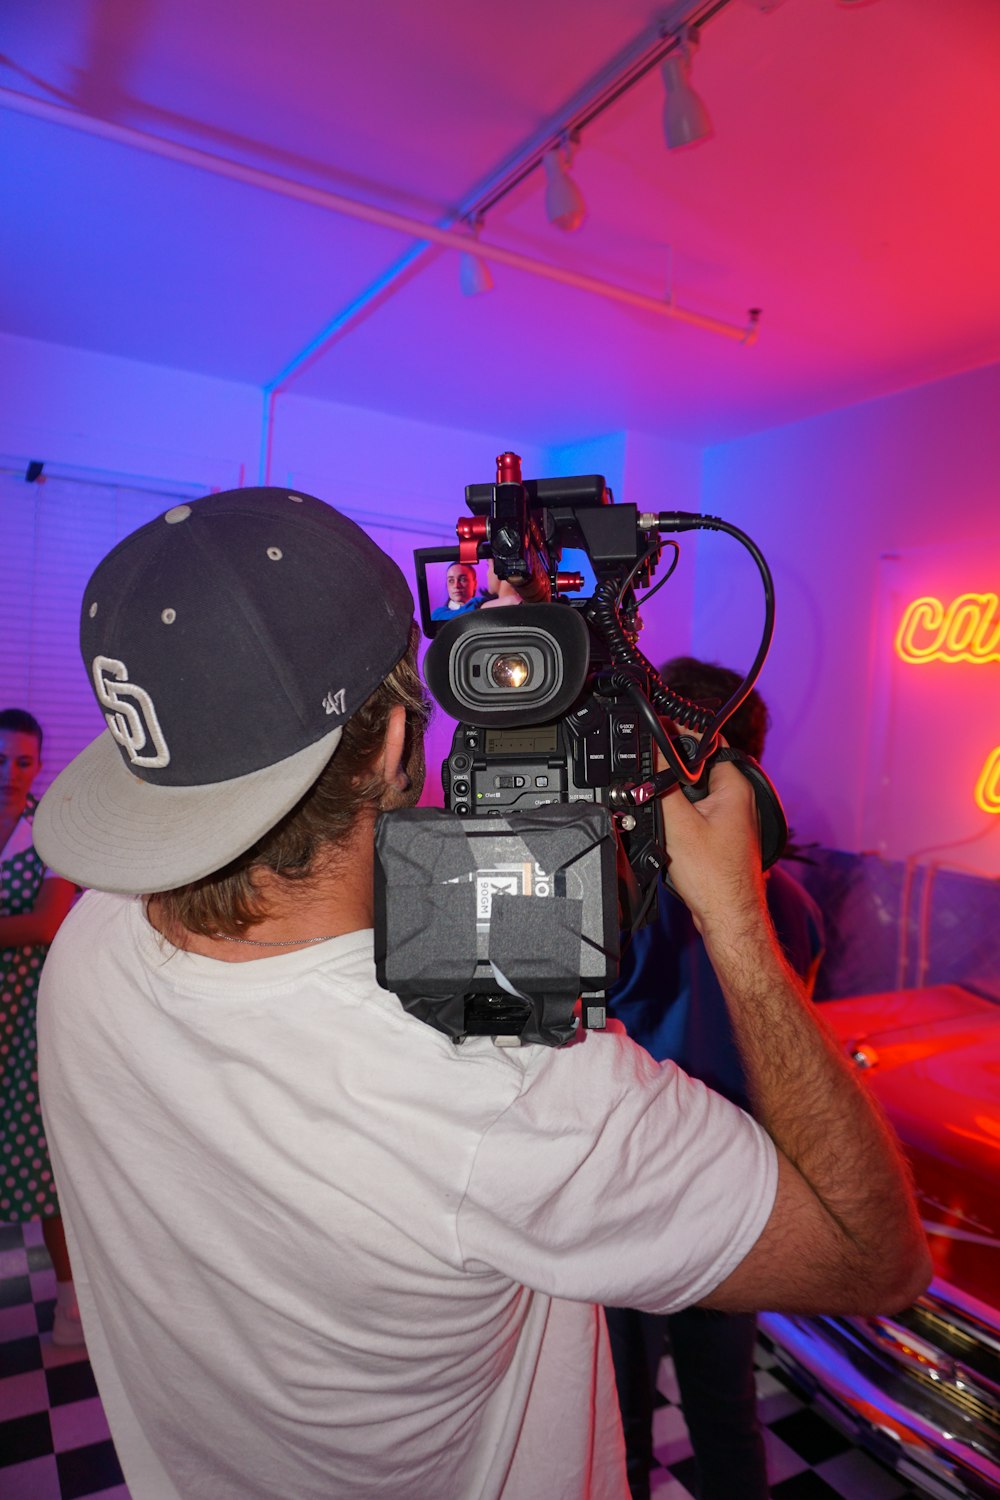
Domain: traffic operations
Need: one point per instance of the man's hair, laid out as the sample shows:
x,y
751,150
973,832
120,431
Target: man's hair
x,y
711,685
229,901
19,721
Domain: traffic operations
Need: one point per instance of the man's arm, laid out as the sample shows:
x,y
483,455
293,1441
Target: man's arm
x,y
843,1235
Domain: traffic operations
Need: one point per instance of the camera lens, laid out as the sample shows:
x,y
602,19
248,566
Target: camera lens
x,y
510,671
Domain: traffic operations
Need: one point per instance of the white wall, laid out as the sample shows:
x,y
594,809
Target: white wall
x,y
663,475
121,439
86,411
653,474
825,499
95,412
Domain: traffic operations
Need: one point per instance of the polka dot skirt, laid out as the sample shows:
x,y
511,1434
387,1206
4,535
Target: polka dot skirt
x,y
26,1187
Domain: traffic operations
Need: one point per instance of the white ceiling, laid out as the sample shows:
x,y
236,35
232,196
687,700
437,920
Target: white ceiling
x,y
850,191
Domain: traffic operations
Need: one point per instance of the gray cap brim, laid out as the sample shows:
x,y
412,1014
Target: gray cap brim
x,y
101,826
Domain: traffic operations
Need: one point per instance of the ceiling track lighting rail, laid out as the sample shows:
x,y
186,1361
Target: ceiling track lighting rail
x,y
368,213
628,69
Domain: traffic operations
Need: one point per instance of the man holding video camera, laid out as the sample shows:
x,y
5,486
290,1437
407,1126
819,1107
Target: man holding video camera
x,y
320,1249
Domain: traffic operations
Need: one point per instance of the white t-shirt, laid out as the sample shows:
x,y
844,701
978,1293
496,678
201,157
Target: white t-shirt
x,y
322,1253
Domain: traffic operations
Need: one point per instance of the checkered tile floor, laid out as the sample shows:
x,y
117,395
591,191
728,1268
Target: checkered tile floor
x,y
54,1440
807,1458
55,1444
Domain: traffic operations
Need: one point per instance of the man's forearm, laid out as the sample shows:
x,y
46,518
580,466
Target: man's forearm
x,y
809,1099
843,1235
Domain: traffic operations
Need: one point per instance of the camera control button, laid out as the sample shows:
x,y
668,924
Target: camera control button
x,y
541,781
587,716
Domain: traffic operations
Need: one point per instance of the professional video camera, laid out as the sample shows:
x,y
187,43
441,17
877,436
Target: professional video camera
x,y
498,915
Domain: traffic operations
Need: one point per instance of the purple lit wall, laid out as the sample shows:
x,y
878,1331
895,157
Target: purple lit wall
x,y
128,439
826,499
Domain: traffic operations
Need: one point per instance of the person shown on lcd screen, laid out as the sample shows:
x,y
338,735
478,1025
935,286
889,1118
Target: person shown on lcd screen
x,y
318,1245
670,1000
33,902
461,584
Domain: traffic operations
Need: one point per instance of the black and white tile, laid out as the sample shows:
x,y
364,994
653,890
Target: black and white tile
x,y
54,1439
807,1457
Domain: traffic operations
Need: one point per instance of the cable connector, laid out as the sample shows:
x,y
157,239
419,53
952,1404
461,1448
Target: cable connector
x,y
687,520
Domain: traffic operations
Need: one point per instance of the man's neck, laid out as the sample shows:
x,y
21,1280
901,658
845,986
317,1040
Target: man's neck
x,y
335,900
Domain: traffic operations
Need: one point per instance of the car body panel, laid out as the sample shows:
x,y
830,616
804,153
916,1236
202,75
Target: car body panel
x,y
932,1058
921,1390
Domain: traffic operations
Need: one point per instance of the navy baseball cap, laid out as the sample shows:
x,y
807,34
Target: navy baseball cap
x,y
227,644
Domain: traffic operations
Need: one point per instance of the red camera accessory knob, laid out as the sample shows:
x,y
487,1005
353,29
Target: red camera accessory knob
x,y
570,583
471,531
509,468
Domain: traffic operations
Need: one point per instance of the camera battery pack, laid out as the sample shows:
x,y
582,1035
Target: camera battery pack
x,y
497,925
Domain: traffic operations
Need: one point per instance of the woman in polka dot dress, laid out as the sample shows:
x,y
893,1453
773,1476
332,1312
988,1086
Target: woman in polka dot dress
x,y
32,905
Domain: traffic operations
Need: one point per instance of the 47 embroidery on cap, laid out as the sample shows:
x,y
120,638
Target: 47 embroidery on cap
x,y
335,703
130,714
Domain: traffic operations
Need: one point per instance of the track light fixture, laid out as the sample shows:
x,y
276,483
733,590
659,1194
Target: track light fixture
x,y
474,275
685,118
564,205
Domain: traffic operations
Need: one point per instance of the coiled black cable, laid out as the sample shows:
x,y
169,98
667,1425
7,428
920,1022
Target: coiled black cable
x,y
627,656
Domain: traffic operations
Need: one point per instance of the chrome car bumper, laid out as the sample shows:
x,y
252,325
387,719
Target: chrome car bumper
x,y
921,1390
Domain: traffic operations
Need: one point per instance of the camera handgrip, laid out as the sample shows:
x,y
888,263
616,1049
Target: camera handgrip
x,y
770,813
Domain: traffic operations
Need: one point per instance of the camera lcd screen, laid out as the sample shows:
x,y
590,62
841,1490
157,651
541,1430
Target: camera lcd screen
x,y
537,740
453,589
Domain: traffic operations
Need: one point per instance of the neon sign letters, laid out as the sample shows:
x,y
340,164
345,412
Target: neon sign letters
x,y
988,786
966,630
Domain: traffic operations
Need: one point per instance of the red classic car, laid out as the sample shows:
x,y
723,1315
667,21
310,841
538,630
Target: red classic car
x,y
922,1389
